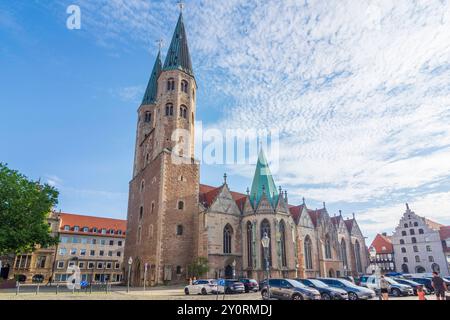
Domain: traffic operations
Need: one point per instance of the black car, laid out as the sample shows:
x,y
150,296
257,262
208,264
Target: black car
x,y
415,285
250,285
233,286
327,292
287,289
426,282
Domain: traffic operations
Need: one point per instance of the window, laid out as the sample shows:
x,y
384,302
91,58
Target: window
x,y
402,241
417,259
308,252
73,251
428,248
85,229
110,253
92,253
170,84
102,242
66,228
111,231
119,253
249,244
119,243
117,265
413,240
101,253
179,230
64,239
81,265
139,234
60,264
148,117
178,270
108,265
94,241
265,229
100,265
283,244
327,247
183,111
91,265
119,232
415,249
406,225
94,230
111,242
103,231
169,109
40,263
411,231
76,240
82,252
420,231
416,224
76,228
84,240
62,251
180,205
430,259
403,250
141,213
227,237
358,256
405,259
184,86
403,233
344,253
142,185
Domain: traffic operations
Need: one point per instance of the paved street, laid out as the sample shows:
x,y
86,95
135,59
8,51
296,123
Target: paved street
x,y
119,293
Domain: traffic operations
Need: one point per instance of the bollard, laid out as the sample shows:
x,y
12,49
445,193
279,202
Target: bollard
x,y
37,289
57,288
17,288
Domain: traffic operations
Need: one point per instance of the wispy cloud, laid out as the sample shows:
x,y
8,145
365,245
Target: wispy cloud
x,y
132,94
358,89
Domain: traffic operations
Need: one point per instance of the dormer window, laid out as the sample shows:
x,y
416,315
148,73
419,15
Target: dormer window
x,y
184,86
76,228
148,117
66,228
103,231
169,109
119,232
170,84
183,111
111,231
94,230
85,229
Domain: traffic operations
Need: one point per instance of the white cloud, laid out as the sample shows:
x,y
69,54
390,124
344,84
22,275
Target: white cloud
x,y
53,180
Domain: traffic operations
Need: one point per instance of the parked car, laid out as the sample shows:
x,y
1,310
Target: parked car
x,y
354,292
326,292
351,279
426,282
201,287
287,289
262,283
232,286
413,284
396,289
250,285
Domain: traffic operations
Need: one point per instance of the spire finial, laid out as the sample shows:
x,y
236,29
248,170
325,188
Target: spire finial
x,y
160,43
181,5
225,178
324,206
340,213
304,202
353,216
280,190
407,206
248,191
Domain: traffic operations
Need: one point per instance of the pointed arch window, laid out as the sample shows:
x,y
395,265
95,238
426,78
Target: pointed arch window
x,y
283,244
148,117
265,229
171,84
358,256
183,111
344,253
327,247
227,237
249,244
308,253
169,109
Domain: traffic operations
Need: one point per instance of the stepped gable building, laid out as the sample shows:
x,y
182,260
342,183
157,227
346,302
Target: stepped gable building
x,y
384,258
418,245
173,219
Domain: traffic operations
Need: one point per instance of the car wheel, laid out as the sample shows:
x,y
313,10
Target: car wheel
x,y
326,296
204,292
265,295
396,292
228,291
297,297
352,296
186,291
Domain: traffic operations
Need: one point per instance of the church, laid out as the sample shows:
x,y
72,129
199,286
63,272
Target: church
x,y
173,219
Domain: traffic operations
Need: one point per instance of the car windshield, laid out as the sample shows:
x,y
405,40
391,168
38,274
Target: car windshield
x,y
348,283
318,283
391,281
252,281
297,284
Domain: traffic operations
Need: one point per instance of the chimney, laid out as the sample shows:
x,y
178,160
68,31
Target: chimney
x,y
384,234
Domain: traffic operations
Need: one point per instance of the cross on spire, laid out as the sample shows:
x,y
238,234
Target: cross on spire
x,y
181,5
225,178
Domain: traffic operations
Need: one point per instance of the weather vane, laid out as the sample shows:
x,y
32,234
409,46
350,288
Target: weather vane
x,y
181,5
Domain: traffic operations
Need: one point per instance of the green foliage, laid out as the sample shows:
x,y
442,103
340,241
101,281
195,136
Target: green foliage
x,y
24,207
199,267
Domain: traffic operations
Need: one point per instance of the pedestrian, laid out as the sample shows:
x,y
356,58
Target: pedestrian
x,y
421,293
439,286
384,288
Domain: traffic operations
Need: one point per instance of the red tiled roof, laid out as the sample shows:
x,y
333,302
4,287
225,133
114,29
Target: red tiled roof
x,y
207,195
444,233
381,242
296,212
349,224
433,224
314,214
72,220
335,220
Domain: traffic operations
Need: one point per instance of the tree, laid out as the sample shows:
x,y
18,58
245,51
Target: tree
x,y
24,207
199,267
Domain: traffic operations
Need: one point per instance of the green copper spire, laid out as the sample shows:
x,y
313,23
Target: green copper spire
x,y
152,87
178,57
263,182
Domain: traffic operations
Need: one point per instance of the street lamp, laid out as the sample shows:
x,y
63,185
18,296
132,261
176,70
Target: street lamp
x,y
130,262
234,269
265,241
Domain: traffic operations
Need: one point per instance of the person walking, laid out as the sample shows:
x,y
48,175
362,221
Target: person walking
x,y
384,288
439,286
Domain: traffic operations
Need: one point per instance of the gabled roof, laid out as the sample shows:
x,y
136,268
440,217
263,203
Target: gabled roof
x,y
433,224
152,87
296,212
335,220
382,242
349,224
72,220
178,56
208,194
263,182
314,215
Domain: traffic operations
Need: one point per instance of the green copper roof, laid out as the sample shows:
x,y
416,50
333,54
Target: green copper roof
x,y
263,182
152,87
178,57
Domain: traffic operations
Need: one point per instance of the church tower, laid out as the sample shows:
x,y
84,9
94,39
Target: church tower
x,y
164,191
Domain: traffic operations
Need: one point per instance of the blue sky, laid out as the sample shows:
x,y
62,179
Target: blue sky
x,y
358,90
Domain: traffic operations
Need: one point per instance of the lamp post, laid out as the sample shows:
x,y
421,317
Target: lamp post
x,y
375,268
234,269
130,262
265,241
